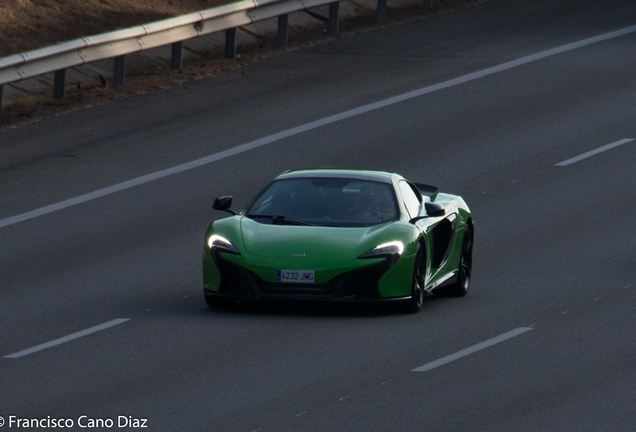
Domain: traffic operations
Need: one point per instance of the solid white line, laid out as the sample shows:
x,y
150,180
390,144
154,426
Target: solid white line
x,y
472,349
310,126
68,338
594,152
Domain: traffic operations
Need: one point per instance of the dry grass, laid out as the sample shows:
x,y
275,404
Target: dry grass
x,y
30,24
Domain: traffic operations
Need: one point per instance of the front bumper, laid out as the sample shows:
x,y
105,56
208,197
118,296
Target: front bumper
x,y
227,279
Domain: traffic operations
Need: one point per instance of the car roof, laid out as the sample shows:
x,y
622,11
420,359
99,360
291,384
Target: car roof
x,y
353,173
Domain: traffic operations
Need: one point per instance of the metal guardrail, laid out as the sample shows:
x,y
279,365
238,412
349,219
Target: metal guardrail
x,y
117,44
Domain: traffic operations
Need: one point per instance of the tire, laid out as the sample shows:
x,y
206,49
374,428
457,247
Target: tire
x,y
219,302
464,270
417,283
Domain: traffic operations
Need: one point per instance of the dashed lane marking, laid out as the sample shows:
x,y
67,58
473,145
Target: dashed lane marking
x,y
594,152
68,338
473,349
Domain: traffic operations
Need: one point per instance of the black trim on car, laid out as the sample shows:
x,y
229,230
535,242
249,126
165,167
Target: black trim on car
x,y
355,285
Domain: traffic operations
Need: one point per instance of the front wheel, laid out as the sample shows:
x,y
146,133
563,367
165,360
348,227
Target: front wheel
x,y
414,304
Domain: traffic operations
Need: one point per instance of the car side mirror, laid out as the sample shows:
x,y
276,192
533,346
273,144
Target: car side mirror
x,y
434,209
223,203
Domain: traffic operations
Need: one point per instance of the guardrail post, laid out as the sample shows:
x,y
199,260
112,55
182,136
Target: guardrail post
x,y
427,4
120,71
59,85
381,11
281,36
333,18
230,43
176,63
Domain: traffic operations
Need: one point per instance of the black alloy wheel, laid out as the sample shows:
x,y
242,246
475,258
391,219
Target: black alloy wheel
x,y
414,304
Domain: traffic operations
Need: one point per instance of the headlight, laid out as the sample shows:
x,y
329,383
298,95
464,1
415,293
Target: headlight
x,y
390,248
221,243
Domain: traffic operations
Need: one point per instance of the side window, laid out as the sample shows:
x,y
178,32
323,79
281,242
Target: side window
x,y
411,201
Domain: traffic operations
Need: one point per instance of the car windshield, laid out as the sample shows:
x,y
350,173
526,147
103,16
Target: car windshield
x,y
338,202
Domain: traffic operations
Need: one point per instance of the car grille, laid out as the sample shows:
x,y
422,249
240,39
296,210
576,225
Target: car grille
x,y
357,285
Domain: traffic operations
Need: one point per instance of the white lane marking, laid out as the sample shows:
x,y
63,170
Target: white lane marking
x,y
312,125
471,350
386,382
598,298
563,313
346,397
532,325
304,412
628,286
68,338
594,152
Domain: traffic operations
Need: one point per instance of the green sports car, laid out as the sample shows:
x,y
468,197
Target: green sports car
x,y
340,235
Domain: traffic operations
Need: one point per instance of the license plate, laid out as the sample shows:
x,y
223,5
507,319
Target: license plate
x,y
295,276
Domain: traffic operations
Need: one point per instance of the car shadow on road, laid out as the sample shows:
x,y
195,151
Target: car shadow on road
x,y
320,308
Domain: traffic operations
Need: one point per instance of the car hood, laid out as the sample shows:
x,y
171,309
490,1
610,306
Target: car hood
x,y
312,241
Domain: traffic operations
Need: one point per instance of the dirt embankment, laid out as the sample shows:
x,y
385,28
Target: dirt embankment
x,y
31,24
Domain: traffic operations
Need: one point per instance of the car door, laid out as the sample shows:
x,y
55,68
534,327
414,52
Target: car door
x,y
439,231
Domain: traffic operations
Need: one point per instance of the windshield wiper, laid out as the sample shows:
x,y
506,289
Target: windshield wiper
x,y
281,219
289,221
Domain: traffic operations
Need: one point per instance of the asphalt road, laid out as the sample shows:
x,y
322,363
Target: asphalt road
x,y
555,251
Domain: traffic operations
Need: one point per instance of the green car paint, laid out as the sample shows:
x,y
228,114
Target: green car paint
x,y
336,254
